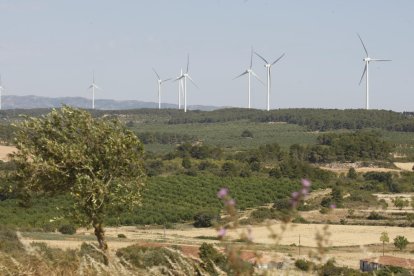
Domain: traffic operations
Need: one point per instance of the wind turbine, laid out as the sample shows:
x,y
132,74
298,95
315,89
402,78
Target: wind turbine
x,y
159,87
269,81
250,72
367,60
184,77
1,91
180,88
93,86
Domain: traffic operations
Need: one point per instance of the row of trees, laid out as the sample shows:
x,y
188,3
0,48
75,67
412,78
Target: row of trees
x,y
313,119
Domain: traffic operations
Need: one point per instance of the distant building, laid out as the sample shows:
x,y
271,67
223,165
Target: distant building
x,y
370,264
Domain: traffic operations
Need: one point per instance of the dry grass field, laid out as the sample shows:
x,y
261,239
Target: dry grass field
x,y
348,243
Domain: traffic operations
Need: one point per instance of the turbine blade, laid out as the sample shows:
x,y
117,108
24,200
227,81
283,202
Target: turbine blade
x,y
257,77
188,62
97,87
244,73
381,59
158,76
251,58
363,74
179,78
192,81
278,59
165,80
261,58
363,45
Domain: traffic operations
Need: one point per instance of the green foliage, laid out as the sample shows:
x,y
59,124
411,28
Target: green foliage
x,y
147,257
9,242
400,242
122,236
400,203
204,219
186,163
375,216
247,134
211,257
304,265
330,269
67,229
352,174
99,162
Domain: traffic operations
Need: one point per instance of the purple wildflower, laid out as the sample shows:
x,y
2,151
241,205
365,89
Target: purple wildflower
x,y
222,193
295,195
332,206
222,232
304,191
230,202
306,183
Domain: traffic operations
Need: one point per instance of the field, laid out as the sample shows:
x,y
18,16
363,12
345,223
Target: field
x,y
228,135
348,244
262,171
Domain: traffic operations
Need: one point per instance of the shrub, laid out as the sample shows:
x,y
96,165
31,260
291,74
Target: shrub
x,y
401,242
247,134
212,257
9,242
204,219
352,174
121,236
303,265
67,229
282,204
375,216
49,227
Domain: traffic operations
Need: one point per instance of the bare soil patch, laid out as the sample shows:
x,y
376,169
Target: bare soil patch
x,y
5,151
407,166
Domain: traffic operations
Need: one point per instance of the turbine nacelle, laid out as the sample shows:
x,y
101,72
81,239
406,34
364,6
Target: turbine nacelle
x,y
367,59
267,65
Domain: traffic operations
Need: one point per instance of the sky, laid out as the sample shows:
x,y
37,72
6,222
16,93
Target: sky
x,y
51,47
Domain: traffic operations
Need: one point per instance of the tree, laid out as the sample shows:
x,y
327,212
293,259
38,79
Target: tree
x,y
400,242
99,162
385,239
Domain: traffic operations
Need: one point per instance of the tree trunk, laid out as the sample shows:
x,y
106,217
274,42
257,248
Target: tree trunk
x,y
100,236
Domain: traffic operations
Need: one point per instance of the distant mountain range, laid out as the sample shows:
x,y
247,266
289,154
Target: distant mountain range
x,y
30,101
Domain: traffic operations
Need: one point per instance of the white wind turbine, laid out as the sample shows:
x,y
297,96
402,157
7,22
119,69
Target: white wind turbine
x,y
180,87
93,86
184,77
159,87
269,81
1,92
250,72
367,60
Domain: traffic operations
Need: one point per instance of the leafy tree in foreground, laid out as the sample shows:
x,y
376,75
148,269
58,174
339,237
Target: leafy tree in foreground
x,y
99,162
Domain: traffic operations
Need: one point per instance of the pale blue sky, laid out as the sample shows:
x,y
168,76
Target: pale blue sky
x,y
50,47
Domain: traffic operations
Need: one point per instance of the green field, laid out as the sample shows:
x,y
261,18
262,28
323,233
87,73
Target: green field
x,y
228,135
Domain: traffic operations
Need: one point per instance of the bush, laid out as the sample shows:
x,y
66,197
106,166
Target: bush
x,y
303,265
209,255
67,229
374,216
401,242
247,134
282,204
204,219
121,236
9,242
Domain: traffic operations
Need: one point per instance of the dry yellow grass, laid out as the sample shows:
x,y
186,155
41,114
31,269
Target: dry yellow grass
x,y
407,166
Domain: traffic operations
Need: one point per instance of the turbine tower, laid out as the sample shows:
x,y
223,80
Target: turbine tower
x,y
184,77
250,72
269,81
367,60
1,92
159,87
180,88
93,86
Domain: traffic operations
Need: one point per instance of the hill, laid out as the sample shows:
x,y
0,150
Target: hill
x,y
31,101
